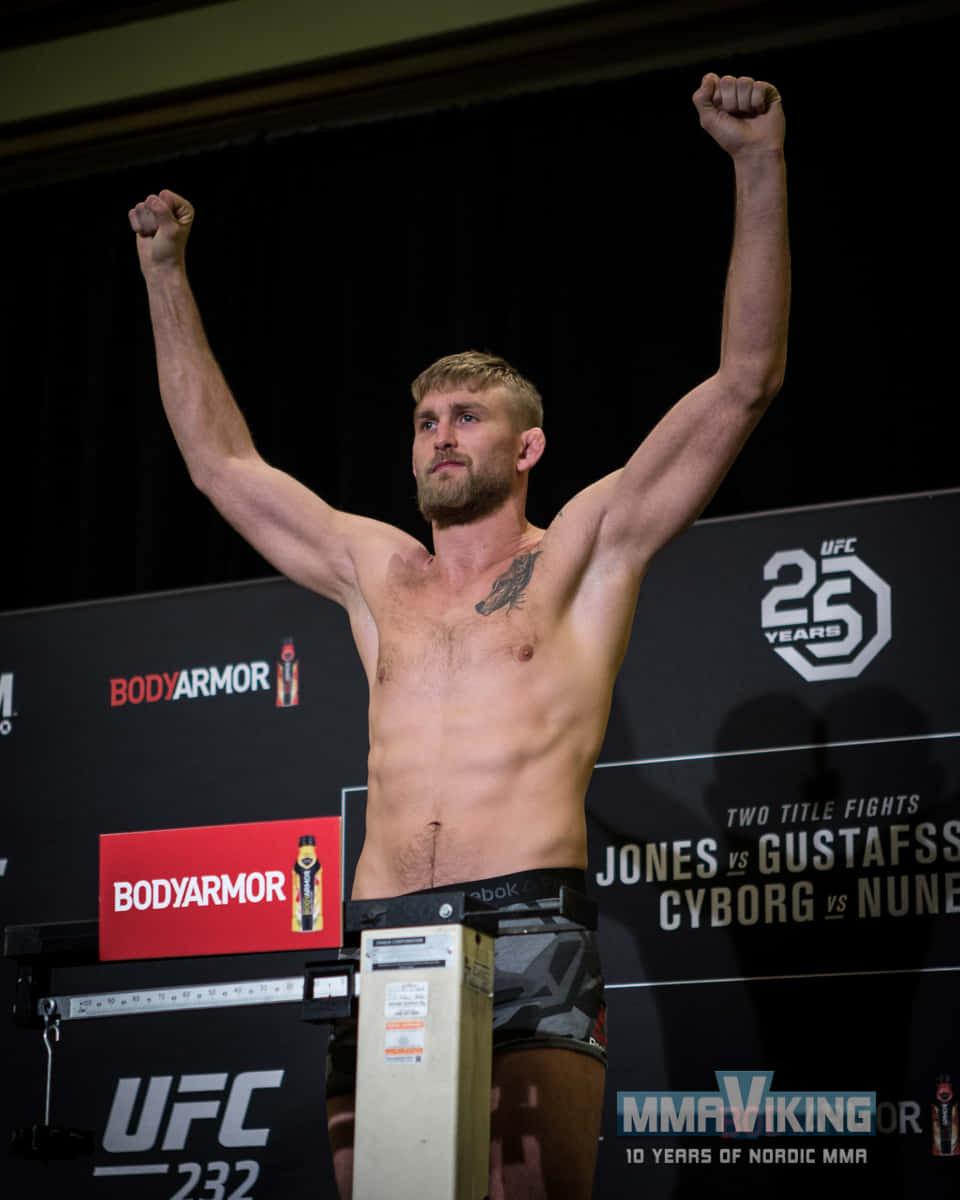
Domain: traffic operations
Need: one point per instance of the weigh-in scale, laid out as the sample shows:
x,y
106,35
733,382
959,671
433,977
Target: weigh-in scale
x,y
421,985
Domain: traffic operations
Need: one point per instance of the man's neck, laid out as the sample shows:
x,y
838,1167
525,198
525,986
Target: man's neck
x,y
468,550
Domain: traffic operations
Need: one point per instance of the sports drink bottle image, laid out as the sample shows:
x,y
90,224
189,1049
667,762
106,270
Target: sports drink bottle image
x,y
288,684
307,887
946,1121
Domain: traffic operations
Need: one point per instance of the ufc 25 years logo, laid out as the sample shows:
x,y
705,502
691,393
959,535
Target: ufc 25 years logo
x,y
844,620
163,1126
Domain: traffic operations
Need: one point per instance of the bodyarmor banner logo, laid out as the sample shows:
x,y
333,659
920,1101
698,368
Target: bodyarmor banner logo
x,y
825,637
220,889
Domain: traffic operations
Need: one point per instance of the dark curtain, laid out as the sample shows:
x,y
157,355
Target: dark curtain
x,y
582,233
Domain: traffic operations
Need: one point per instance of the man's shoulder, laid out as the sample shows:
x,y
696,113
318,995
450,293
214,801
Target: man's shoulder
x,y
572,538
597,586
376,545
379,552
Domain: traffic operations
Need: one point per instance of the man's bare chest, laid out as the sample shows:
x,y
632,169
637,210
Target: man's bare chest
x,y
432,633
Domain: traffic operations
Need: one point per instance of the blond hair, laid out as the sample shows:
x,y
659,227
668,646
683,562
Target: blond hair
x,y
477,371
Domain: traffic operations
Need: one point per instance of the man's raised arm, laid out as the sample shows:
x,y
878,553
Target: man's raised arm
x,y
289,525
671,477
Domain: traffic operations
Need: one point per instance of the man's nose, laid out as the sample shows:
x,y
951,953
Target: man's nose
x,y
445,434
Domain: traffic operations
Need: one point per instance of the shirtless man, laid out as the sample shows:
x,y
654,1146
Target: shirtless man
x,y
491,661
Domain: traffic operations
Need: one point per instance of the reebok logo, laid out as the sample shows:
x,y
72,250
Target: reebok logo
x,y
488,895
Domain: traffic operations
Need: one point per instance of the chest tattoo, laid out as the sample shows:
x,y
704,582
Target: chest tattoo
x,y
509,588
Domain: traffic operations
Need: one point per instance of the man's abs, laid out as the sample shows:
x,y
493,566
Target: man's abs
x,y
404,853
475,787
484,728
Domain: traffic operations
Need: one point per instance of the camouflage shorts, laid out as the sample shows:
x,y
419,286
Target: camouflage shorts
x,y
548,987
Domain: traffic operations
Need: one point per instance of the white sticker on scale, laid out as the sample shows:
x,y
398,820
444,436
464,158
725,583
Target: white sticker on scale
x,y
405,999
418,950
403,1041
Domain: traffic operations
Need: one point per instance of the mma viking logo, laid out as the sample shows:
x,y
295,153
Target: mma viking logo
x,y
848,636
745,1106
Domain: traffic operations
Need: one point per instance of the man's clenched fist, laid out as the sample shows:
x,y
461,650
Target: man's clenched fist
x,y
162,225
741,114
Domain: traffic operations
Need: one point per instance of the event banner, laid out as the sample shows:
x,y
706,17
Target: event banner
x,y
842,858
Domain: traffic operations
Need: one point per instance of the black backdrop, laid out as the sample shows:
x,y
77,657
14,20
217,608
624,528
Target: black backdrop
x,y
583,233
803,918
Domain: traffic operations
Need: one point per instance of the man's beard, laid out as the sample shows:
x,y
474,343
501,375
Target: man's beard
x,y
473,494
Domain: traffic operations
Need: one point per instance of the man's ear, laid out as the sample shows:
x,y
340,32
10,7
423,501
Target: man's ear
x,y
532,445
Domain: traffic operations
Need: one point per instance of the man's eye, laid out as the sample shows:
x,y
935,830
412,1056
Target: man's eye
x,y
468,417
